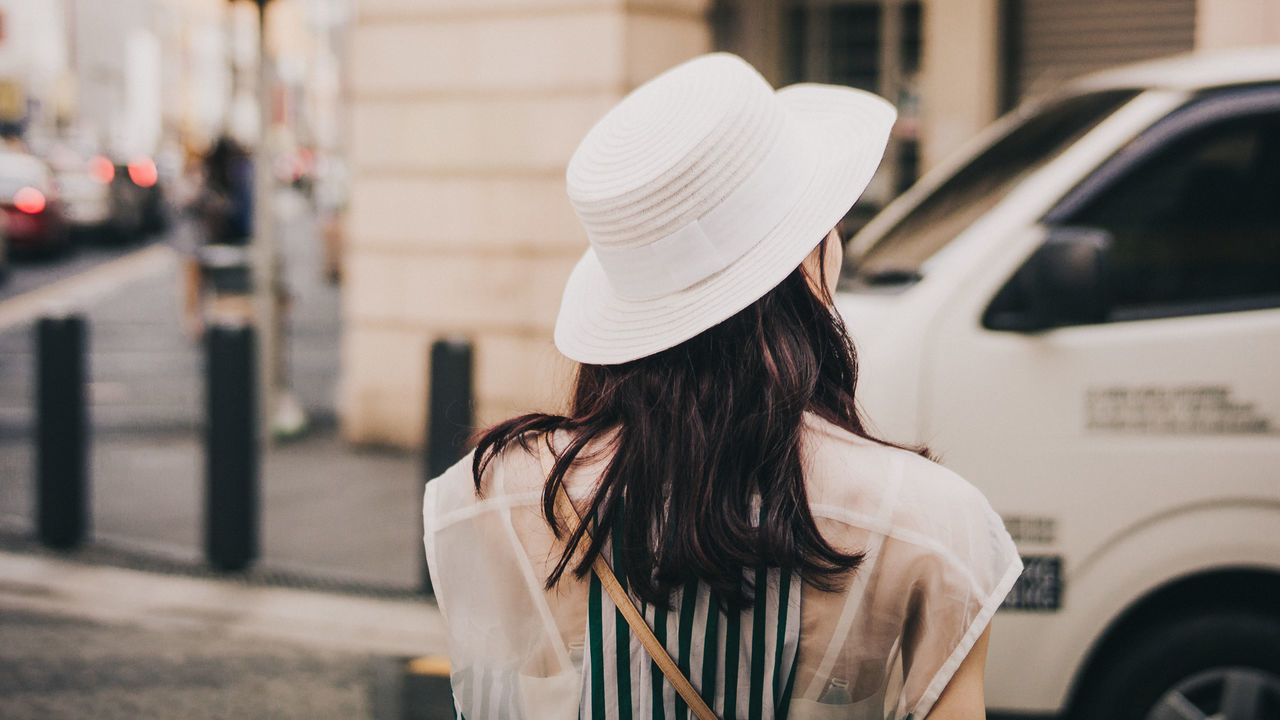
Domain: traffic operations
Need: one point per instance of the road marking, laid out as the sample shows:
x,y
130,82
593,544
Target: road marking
x,y
79,290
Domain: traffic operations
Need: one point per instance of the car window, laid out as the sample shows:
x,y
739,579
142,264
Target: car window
x,y
1196,226
979,185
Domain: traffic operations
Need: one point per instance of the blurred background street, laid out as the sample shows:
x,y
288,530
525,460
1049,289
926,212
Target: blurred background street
x,y
322,531
147,413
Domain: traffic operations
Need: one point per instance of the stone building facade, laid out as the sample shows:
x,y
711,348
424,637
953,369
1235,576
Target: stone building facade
x,y
463,116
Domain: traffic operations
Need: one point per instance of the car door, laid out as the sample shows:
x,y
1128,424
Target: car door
x,y
1085,435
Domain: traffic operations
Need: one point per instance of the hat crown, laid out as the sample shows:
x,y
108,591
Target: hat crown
x,y
672,150
701,191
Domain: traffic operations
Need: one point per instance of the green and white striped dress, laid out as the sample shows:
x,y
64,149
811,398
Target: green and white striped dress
x,y
743,663
882,647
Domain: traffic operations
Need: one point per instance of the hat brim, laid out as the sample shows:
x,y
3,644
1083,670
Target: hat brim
x,y
849,130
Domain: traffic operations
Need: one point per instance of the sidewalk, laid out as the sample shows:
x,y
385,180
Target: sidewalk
x,y
85,640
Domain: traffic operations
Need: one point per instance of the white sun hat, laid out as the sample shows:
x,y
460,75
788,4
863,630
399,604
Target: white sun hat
x,y
700,192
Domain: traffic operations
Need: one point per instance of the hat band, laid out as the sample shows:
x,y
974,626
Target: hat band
x,y
725,233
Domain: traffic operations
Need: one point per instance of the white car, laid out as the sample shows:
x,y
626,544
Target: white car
x,y
87,182
87,200
1080,313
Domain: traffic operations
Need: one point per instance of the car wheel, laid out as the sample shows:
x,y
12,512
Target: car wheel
x,y
1214,667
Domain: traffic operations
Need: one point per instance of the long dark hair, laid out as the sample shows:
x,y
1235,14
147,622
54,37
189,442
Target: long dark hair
x,y
704,478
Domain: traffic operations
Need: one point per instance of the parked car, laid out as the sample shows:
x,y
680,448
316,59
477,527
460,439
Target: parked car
x,y
30,202
84,180
1081,314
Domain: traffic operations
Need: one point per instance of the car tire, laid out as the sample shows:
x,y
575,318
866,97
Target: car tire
x,y
1202,664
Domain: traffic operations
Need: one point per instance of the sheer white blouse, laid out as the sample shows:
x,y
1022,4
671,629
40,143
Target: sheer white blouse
x,y
938,564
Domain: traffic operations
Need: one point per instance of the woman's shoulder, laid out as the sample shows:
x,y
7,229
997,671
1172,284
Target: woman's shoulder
x,y
891,484
835,454
508,470
929,516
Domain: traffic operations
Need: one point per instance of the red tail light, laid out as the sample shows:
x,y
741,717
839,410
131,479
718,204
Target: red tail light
x,y
142,171
29,200
102,169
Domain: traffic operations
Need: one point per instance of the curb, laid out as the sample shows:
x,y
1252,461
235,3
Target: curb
x,y
375,626
100,553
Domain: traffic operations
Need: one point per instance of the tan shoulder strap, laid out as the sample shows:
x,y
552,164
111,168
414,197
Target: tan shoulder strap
x,y
657,651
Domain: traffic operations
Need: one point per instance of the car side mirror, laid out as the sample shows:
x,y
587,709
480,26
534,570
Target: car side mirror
x,y
1066,281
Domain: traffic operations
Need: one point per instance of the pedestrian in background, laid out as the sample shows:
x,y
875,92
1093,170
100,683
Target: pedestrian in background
x,y
188,238
216,197
226,203
711,530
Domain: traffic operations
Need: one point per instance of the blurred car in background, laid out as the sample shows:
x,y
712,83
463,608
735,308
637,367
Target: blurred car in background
x,y
1080,313
84,182
29,199
105,200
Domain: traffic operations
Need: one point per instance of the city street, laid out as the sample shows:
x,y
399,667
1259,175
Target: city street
x,y
329,510
335,519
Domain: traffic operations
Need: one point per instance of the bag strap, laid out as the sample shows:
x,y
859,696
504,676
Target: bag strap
x,y
621,599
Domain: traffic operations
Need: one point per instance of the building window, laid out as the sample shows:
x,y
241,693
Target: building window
x,y
868,44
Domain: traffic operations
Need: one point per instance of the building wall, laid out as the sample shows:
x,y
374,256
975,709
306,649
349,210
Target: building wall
x,y
961,65
462,118
1237,23
33,59
146,71
959,74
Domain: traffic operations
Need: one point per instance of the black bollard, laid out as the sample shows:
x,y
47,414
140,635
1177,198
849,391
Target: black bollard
x,y
449,418
231,447
62,437
450,412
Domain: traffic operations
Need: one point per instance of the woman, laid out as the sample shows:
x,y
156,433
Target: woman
x,y
791,565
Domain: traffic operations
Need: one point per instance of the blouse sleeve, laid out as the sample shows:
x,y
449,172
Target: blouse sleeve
x,y
508,658
964,564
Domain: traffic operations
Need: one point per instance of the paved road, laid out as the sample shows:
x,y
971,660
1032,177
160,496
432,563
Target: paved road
x,y
59,668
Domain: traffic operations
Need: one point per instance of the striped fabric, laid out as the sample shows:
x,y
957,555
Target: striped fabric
x,y
742,663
